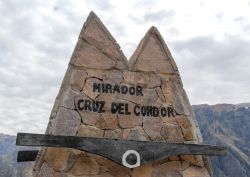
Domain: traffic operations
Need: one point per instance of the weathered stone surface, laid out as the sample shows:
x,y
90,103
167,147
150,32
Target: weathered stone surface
x,y
160,94
67,100
131,99
125,133
169,120
90,57
152,127
181,104
193,159
193,171
154,81
171,169
183,121
113,134
113,76
149,97
136,78
107,121
76,152
186,127
47,171
184,165
95,73
66,122
174,158
172,133
60,159
137,133
105,175
152,56
160,162
89,118
104,163
77,79
129,121
169,89
85,165
109,99
158,103
88,88
90,131
119,171
207,165
142,171
96,34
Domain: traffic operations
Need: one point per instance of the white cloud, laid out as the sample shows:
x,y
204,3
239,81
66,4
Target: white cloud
x,y
208,39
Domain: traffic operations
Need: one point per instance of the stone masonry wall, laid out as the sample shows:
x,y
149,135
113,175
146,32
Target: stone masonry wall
x,y
97,59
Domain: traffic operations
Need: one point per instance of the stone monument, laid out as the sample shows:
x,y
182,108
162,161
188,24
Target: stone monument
x,y
104,95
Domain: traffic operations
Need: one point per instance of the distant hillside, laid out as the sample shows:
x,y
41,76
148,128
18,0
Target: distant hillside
x,y
222,124
8,165
227,125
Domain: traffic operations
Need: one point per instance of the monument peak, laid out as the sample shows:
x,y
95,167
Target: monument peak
x,y
152,54
96,48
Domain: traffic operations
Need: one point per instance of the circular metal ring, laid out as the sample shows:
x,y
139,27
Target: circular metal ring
x,y
138,159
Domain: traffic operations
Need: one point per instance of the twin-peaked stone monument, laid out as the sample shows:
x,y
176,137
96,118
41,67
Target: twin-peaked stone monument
x,y
105,96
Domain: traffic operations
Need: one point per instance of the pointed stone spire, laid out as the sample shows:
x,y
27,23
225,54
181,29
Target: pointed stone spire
x,y
152,54
96,48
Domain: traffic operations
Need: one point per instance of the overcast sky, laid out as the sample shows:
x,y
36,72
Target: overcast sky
x,y
209,40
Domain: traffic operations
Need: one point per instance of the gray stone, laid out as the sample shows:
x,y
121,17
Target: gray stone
x,y
160,94
85,166
152,54
67,100
193,160
149,96
142,171
152,126
60,159
97,35
193,171
90,118
90,131
169,89
47,171
172,133
107,121
113,76
88,88
66,122
137,134
136,78
129,121
90,57
95,73
154,81
168,169
77,79
113,134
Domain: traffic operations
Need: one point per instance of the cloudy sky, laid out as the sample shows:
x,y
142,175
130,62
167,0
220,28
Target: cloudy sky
x,y
210,41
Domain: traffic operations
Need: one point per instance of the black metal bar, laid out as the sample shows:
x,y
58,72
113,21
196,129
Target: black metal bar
x,y
114,149
25,156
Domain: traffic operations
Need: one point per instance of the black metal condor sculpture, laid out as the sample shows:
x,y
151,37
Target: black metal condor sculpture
x,y
128,153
